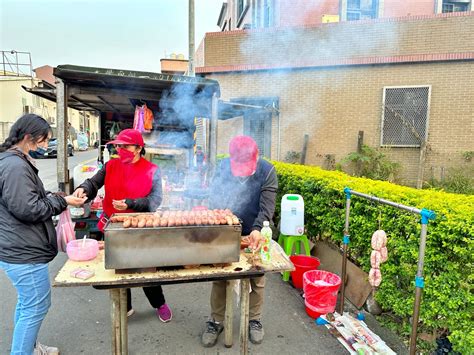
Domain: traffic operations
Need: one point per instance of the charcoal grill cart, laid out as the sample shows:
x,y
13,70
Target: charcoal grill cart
x,y
117,283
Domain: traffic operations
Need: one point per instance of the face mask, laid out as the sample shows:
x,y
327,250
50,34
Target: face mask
x,y
126,156
37,152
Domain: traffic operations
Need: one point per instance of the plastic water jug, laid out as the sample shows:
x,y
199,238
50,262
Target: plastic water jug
x,y
292,215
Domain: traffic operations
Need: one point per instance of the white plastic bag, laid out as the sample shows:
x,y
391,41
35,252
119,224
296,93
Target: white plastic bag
x,y
65,230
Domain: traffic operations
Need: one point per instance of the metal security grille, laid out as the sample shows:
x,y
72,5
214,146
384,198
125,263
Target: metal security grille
x,y
405,116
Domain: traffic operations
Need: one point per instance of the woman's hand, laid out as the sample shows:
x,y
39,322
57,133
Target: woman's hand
x,y
79,193
75,201
256,240
119,205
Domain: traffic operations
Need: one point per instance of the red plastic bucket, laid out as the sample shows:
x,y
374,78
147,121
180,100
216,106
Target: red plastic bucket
x,y
311,312
302,264
320,291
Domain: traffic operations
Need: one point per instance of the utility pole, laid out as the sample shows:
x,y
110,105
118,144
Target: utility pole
x,y
191,38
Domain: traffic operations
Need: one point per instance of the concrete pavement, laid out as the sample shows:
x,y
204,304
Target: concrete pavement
x,y
79,319
79,322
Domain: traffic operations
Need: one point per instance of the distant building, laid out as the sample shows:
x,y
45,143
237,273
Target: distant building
x,y
175,64
15,101
247,14
407,83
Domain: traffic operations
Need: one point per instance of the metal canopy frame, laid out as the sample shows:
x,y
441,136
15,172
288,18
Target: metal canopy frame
x,y
426,216
112,90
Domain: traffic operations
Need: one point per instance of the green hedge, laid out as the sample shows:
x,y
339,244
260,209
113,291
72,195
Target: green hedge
x,y
448,299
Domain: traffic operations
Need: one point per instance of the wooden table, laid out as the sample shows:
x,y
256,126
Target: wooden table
x,y
117,283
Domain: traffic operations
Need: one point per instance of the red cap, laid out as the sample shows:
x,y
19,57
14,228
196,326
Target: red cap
x,y
243,155
129,136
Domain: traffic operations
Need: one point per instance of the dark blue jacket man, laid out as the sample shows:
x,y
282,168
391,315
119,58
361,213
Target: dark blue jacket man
x,y
247,186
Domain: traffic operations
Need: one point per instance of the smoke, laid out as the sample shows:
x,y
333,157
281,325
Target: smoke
x,y
306,73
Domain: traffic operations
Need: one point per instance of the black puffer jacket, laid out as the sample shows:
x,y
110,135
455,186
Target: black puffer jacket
x,y
27,234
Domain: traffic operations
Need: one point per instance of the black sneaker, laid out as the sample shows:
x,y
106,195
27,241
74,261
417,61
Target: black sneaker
x,y
210,335
256,332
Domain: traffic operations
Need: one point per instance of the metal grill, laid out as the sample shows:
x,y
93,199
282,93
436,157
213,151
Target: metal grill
x,y
405,116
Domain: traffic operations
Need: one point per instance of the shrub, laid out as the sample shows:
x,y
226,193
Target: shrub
x,y
457,180
371,163
448,297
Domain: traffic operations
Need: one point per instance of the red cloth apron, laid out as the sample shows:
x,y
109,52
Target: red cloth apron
x,y
124,181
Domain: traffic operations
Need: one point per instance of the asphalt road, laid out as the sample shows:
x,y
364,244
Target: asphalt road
x,y
48,171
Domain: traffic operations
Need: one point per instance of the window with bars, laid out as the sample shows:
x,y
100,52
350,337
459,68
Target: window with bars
x,y
454,6
361,9
405,116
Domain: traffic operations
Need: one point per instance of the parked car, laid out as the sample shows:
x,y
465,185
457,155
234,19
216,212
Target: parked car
x,y
52,150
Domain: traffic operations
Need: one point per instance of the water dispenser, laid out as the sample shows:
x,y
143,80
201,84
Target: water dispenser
x,y
292,215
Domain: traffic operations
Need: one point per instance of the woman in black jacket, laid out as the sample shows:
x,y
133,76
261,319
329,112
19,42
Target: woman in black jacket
x,y
27,234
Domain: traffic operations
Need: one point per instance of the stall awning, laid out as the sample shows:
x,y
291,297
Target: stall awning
x,y
112,90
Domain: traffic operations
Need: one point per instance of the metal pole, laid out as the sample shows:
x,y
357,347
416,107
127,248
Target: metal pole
x,y
191,38
426,215
386,202
61,119
346,240
213,133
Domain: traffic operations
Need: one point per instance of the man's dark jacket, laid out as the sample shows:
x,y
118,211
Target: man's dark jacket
x,y
27,233
251,198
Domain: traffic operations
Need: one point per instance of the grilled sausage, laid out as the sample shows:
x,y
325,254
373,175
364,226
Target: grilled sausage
x,y
141,222
156,221
127,222
149,222
134,223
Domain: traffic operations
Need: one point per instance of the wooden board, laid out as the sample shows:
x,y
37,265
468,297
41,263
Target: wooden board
x,y
357,286
242,269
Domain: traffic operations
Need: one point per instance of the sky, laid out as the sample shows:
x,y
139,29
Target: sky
x,y
119,34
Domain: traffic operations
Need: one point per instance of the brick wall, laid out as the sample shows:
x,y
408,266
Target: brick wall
x,y
331,105
382,38
397,8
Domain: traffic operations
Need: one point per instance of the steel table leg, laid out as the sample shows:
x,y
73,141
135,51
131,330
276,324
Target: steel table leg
x,y
229,313
123,321
244,315
115,318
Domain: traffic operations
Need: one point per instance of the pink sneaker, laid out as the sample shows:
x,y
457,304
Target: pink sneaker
x,y
164,313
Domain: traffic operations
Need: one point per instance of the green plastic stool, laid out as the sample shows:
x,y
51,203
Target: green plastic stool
x,y
287,242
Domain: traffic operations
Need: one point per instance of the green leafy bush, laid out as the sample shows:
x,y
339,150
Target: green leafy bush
x,y
457,180
448,298
371,163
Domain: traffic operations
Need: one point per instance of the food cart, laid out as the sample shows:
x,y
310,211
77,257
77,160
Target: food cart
x,y
176,102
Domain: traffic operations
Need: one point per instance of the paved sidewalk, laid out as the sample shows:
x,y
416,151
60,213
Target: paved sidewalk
x,y
79,321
